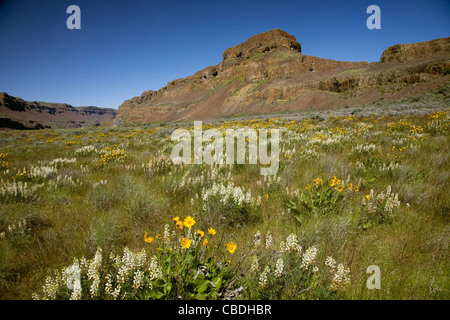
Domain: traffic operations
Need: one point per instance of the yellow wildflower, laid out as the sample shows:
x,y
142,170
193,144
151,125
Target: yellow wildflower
x,y
317,181
189,222
147,239
231,247
211,231
185,243
205,242
200,233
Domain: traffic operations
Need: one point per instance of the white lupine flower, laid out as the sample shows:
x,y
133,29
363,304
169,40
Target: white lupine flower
x,y
109,285
292,243
330,263
42,171
76,294
73,275
86,150
166,236
18,189
226,193
138,279
263,278
341,278
279,268
116,292
255,264
309,257
154,269
269,240
50,288
283,247
257,241
94,272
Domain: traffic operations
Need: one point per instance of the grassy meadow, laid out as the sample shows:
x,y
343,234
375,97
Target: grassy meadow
x,y
103,213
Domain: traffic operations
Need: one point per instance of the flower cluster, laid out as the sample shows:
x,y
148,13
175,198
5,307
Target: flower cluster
x,y
309,257
341,278
86,150
291,245
384,202
18,190
109,155
21,227
229,192
3,163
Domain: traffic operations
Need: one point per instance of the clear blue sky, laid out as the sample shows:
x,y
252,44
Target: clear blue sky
x,y
127,47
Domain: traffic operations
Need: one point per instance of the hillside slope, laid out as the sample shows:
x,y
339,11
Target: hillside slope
x,y
16,113
269,74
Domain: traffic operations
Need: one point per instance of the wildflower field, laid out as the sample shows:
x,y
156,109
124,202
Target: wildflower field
x,y
104,213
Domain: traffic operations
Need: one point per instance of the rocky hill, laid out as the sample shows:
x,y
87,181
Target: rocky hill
x,y
17,113
269,74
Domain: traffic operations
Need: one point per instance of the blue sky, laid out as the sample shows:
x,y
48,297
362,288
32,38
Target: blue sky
x,y
127,47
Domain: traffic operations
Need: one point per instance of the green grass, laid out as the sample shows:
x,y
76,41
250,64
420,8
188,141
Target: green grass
x,y
83,207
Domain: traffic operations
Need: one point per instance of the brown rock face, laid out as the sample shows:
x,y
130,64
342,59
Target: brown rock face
x,y
269,74
409,52
16,113
260,43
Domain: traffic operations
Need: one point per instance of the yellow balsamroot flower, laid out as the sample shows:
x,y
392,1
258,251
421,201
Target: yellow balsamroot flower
x,y
332,182
185,243
200,233
350,186
340,188
147,239
179,224
367,197
176,219
308,186
267,196
356,189
189,222
205,242
317,181
211,231
231,247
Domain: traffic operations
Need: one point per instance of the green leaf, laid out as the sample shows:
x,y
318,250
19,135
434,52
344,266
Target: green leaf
x,y
299,219
217,281
203,286
200,296
155,295
168,288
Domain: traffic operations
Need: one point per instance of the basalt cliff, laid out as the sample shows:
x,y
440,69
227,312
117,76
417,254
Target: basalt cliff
x,y
268,74
16,113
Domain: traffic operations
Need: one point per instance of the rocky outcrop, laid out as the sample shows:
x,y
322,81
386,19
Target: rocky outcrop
x,y
268,73
16,113
275,39
406,52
